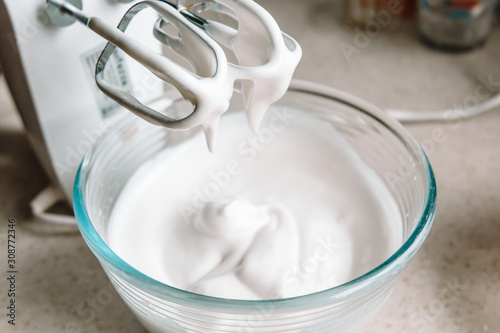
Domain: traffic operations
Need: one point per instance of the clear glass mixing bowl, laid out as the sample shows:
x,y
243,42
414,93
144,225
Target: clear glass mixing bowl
x,y
380,141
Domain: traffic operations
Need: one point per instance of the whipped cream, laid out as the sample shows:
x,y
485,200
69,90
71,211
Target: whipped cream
x,y
286,211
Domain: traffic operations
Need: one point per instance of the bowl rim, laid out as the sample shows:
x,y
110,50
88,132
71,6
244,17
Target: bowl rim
x,y
382,272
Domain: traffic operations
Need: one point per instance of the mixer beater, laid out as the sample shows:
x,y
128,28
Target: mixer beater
x,y
265,58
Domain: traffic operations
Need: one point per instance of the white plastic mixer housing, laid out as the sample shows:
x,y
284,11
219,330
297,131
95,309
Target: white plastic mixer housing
x,y
50,73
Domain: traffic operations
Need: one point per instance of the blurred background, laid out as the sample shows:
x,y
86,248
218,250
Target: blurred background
x,y
407,55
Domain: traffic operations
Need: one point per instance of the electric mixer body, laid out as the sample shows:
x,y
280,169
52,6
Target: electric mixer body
x,y
50,74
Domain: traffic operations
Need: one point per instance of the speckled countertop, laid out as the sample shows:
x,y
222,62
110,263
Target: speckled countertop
x,y
451,286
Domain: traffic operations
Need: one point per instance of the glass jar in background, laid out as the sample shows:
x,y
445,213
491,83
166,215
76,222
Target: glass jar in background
x,y
455,25
361,12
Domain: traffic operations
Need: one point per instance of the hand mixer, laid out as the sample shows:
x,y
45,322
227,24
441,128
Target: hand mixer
x,y
49,64
266,58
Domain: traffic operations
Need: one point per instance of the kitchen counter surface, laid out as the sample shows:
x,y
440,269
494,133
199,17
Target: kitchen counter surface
x,y
453,283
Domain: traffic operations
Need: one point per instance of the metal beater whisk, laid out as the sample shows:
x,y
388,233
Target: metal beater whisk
x,y
262,52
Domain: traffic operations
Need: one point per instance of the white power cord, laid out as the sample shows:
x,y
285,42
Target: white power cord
x,y
407,116
46,199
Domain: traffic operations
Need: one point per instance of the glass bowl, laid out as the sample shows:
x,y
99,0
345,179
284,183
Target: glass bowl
x,y
380,141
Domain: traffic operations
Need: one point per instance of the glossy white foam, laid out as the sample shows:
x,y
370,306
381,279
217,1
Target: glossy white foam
x,y
285,212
